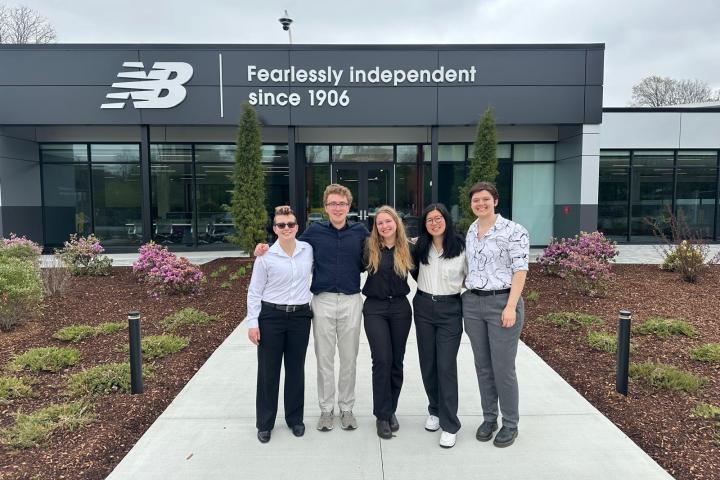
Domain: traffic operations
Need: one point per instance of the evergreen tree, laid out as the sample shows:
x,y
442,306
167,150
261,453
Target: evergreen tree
x,y
248,197
483,165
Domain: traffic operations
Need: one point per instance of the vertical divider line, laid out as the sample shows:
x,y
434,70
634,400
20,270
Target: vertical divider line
x,y
222,106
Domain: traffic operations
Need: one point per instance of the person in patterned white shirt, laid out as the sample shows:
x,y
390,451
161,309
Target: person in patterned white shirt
x,y
497,252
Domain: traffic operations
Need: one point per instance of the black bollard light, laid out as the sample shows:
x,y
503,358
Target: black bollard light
x,y
623,352
136,381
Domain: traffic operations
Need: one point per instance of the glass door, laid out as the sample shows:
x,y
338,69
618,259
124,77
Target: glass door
x,y
371,186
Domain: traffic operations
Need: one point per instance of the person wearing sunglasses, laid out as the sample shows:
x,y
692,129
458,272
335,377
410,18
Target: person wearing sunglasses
x,y
441,268
279,315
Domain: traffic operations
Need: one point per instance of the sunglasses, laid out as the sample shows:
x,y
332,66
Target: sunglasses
x,y
282,225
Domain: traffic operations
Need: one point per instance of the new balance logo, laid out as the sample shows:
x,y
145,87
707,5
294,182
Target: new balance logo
x,y
154,89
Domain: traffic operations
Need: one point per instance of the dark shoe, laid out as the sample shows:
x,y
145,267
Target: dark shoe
x,y
505,437
298,430
383,429
264,436
394,425
485,431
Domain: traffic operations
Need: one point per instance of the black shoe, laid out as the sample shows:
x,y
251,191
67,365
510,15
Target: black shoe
x,y
383,429
505,437
394,425
264,436
298,430
485,431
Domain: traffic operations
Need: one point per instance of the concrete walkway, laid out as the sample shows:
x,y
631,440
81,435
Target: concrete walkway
x,y
208,432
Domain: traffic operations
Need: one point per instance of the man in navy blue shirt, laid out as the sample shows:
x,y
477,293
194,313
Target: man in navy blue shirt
x,y
337,304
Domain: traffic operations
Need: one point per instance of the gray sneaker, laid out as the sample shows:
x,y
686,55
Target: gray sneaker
x,y
326,421
347,420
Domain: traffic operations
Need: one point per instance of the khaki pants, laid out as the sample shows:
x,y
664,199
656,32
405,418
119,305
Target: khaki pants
x,y
336,321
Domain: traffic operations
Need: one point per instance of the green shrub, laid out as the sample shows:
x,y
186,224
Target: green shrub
x,y
30,430
13,387
158,346
225,285
571,320
103,379
669,261
533,296
49,359
83,256
664,327
664,376
109,328
186,316
75,333
705,410
602,341
710,352
21,291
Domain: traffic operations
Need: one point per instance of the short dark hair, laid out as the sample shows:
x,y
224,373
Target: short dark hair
x,y
480,186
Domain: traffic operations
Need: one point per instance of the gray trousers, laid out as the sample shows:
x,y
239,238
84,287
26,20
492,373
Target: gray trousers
x,y
494,349
336,322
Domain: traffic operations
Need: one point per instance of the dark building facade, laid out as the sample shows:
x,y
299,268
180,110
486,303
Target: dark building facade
x,y
136,142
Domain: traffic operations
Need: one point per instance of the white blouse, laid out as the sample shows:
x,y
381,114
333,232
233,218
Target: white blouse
x,y
442,276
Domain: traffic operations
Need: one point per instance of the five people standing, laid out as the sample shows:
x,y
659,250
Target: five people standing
x,y
493,269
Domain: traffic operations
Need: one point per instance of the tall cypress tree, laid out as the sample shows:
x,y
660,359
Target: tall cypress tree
x,y
483,165
248,197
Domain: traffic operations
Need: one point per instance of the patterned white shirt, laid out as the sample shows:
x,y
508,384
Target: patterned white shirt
x,y
278,278
492,259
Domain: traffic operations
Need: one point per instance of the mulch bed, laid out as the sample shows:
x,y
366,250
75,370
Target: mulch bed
x,y
93,451
659,421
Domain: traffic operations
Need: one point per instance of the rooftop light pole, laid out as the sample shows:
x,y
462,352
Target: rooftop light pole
x,y
285,22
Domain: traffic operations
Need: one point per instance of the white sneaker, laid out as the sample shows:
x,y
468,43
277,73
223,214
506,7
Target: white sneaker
x,y
447,440
432,423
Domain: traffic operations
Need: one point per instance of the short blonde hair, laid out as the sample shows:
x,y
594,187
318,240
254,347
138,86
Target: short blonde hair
x,y
337,189
283,210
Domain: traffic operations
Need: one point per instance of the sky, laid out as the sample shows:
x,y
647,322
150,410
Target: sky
x,y
642,37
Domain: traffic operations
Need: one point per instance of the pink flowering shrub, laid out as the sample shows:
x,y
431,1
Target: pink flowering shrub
x,y
20,247
593,245
151,255
83,256
165,273
583,260
587,274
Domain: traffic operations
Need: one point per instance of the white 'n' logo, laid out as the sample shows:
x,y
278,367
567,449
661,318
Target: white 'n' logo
x,y
154,89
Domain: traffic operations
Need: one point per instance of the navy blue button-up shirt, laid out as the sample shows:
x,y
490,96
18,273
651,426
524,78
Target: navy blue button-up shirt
x,y
338,256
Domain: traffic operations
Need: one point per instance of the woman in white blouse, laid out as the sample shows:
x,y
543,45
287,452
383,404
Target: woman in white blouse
x,y
437,309
278,319
497,252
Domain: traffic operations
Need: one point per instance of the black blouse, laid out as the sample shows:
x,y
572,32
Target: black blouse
x,y
385,282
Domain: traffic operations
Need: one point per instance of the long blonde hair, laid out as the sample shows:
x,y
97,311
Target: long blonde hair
x,y
402,260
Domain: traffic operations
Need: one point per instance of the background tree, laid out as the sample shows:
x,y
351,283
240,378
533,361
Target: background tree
x,y
483,165
248,197
24,25
656,91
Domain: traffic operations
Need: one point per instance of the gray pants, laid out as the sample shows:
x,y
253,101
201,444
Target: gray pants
x,y
494,349
336,321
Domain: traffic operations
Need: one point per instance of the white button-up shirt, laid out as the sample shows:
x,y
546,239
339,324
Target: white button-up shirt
x,y
279,278
442,276
492,259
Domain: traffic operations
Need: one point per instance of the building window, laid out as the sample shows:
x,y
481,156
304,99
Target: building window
x,y
651,191
613,194
696,190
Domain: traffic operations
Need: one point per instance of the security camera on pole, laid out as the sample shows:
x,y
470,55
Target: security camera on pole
x,y
285,22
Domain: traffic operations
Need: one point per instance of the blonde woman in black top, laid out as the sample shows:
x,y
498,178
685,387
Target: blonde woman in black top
x,y
387,313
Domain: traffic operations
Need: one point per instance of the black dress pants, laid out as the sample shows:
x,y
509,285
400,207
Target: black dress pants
x,y
387,326
281,335
438,325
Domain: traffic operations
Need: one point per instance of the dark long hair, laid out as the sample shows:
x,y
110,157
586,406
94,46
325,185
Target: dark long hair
x,y
453,244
